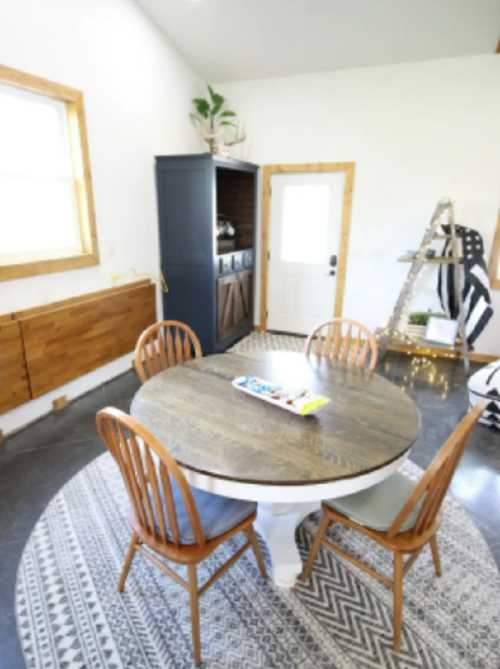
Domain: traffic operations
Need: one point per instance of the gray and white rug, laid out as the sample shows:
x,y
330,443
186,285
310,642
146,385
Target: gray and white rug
x,y
70,615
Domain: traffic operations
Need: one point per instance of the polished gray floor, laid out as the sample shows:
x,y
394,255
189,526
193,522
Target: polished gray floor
x,y
37,461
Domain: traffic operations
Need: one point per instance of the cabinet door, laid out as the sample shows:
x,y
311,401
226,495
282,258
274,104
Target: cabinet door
x,y
185,206
234,303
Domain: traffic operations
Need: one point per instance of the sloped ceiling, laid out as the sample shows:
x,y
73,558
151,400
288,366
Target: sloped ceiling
x,y
227,40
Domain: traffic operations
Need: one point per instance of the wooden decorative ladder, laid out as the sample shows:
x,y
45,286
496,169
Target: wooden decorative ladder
x,y
444,207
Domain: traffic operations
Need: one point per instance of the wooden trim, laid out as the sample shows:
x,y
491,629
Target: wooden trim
x,y
59,403
344,240
35,84
498,47
267,172
78,141
83,176
495,257
37,267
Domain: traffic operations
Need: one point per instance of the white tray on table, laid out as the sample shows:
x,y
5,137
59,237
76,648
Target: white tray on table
x,y
302,402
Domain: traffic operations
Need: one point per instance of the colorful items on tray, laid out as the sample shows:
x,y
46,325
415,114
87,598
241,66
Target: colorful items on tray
x,y
302,402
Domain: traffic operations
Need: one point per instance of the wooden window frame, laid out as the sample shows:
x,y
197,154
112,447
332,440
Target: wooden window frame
x,y
495,258
73,100
348,169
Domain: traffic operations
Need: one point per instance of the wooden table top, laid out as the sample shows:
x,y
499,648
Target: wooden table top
x,y
210,427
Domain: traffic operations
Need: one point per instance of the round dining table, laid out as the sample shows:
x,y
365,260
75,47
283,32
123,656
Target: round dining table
x,y
233,444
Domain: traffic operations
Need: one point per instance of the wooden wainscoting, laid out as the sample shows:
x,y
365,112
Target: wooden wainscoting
x,y
14,383
45,347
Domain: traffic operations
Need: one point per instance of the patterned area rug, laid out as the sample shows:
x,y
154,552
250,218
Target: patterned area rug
x,y
70,615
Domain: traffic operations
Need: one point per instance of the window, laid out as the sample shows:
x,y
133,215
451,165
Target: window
x,y
46,208
306,222
495,258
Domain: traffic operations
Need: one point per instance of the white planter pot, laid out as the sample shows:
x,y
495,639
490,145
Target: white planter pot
x,y
415,331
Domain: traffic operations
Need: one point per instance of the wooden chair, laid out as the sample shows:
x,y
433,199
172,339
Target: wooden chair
x,y
399,515
169,519
165,344
345,341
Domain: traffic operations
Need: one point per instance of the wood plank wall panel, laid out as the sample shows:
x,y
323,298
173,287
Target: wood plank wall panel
x,y
64,343
14,384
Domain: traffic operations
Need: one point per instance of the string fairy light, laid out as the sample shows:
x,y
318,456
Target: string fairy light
x,y
392,330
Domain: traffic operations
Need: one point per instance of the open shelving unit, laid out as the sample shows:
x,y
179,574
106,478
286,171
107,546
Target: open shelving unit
x,y
391,337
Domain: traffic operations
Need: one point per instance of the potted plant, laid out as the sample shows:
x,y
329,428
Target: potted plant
x,y
417,323
213,120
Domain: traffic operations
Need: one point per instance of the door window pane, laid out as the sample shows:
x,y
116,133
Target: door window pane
x,y
306,219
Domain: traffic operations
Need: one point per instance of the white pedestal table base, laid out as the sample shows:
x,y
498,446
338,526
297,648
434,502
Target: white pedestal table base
x,y
277,524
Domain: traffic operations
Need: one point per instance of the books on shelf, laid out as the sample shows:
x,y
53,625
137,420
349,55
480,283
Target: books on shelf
x,y
297,400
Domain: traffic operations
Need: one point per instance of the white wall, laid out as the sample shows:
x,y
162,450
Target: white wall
x,y
417,132
138,94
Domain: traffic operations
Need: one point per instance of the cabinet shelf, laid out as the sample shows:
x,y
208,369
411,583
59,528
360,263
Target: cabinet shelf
x,y
436,260
426,348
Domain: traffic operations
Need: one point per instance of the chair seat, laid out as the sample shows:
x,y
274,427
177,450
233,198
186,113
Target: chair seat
x,y
217,514
378,506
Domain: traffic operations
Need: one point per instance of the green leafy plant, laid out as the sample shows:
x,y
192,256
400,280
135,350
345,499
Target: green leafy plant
x,y
422,317
211,116
418,318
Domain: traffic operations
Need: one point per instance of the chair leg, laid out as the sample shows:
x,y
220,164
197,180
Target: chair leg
x,y
252,538
435,555
323,526
128,561
195,613
397,589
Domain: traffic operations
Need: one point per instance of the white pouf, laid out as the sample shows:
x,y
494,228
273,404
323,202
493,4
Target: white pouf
x,y
485,385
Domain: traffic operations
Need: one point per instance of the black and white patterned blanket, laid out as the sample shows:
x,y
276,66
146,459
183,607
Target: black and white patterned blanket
x,y
485,385
476,291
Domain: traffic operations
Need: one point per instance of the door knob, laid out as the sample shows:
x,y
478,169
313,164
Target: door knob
x,y
333,263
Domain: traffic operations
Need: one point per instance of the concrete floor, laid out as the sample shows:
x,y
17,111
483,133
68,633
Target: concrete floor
x,y
37,461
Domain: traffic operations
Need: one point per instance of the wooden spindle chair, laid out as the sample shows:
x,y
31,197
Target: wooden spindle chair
x,y
374,513
344,341
169,519
163,345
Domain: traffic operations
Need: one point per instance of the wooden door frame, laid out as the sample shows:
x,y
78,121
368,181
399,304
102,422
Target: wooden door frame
x,y
495,258
267,172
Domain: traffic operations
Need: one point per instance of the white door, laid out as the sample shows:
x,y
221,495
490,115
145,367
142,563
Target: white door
x,y
304,233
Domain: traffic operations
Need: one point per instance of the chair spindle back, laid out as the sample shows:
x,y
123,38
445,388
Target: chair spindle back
x,y
433,486
149,474
163,345
344,341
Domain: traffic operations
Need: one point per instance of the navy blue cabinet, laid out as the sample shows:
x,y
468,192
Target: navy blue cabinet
x,y
209,276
